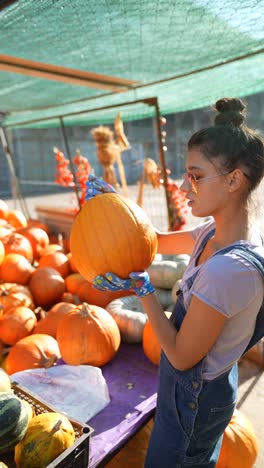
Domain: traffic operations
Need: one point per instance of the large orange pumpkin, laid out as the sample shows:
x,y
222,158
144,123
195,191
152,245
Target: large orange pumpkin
x,y
88,335
240,446
112,234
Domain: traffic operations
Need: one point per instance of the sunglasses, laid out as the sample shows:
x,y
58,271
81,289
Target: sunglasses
x,y
194,182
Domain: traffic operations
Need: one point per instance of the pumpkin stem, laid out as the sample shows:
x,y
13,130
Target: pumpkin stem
x,y
56,427
48,361
40,313
85,310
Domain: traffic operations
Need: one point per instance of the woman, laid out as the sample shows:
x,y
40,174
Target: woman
x,y
221,294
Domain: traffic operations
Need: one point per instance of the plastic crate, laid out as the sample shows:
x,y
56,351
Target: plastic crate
x,y
77,455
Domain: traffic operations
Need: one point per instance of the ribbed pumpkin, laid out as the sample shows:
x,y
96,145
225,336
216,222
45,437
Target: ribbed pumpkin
x,y
112,234
130,317
13,295
13,421
48,435
88,335
240,445
17,243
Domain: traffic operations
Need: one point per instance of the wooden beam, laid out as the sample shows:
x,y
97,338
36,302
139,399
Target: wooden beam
x,y
66,75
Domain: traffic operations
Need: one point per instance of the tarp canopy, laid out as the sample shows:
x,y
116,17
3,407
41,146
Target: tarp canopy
x,y
187,53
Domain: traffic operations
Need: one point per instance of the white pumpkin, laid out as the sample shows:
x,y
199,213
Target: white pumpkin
x,y
164,297
164,273
130,317
176,258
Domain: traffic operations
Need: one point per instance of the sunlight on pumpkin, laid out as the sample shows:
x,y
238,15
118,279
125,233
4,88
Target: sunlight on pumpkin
x,y
240,445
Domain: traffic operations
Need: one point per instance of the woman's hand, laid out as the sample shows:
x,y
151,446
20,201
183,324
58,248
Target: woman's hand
x,y
96,186
138,282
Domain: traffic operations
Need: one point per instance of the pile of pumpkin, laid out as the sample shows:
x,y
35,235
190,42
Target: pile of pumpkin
x,y
45,301
33,440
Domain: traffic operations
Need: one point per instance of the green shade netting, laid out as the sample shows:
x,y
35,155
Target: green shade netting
x,y
188,53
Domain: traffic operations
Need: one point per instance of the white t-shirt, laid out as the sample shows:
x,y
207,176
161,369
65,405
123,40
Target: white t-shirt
x,y
233,286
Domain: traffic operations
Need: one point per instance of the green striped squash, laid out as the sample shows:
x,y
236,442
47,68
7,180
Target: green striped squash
x,y
13,421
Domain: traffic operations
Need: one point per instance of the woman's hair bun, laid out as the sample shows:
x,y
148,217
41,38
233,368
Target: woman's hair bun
x,y
231,111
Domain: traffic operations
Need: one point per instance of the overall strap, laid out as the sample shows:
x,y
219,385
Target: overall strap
x,y
256,258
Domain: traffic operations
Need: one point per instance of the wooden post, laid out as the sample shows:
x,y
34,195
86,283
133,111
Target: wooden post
x,y
154,102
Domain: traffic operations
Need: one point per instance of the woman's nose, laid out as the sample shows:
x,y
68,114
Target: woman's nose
x,y
185,185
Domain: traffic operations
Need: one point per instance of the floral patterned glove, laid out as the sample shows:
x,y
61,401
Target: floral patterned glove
x,y
138,282
96,186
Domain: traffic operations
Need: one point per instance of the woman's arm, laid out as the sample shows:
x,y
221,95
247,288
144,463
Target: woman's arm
x,y
199,331
178,242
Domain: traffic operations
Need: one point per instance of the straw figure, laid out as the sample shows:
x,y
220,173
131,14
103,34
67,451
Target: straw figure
x,y
151,173
109,151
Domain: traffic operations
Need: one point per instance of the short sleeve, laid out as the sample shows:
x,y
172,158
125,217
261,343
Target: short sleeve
x,y
201,229
228,283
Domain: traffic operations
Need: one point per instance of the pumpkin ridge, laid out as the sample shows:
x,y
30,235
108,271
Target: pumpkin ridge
x,y
140,227
109,254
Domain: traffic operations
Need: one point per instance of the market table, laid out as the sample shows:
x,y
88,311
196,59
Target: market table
x,y
132,382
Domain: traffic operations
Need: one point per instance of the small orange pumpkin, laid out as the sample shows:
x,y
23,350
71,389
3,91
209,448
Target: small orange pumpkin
x,y
46,286
57,260
88,335
150,343
240,445
17,219
50,323
112,233
32,352
16,323
17,243
15,268
37,237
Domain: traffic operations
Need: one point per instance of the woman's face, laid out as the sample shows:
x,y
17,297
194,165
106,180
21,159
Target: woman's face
x,y
207,191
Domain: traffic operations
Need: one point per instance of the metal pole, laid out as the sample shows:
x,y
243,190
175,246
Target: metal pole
x,y
15,188
68,153
154,102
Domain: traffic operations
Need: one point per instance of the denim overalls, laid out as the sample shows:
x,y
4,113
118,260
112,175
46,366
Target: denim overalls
x,y
192,413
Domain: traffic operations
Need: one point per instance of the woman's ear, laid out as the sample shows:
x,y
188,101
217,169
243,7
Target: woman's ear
x,y
235,180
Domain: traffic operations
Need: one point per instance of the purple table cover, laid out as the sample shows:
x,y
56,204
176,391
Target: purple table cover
x,y
132,382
